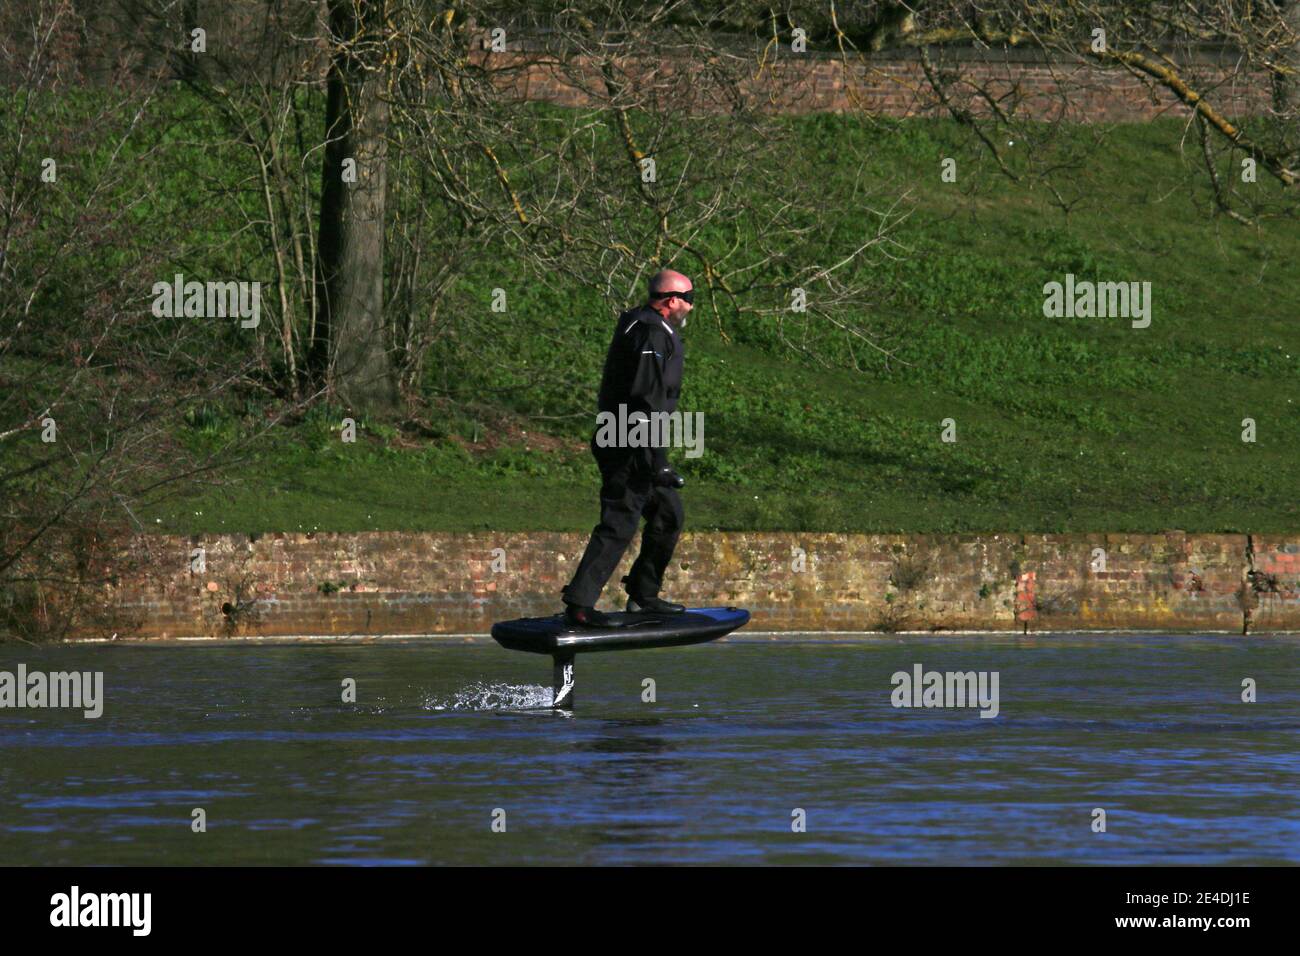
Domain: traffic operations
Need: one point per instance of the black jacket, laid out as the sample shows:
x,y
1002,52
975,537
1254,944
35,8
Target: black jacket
x,y
643,369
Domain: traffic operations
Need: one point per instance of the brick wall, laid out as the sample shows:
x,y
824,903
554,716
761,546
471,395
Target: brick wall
x,y
414,583
888,83
895,85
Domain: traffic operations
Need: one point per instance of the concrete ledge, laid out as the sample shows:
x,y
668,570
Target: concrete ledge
x,y
394,583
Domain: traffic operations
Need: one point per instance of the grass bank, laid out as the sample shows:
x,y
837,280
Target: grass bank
x,y
1062,424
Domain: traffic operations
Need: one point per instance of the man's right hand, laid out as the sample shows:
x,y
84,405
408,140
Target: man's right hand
x,y
667,478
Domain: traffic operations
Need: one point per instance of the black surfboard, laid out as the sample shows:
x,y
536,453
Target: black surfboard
x,y
562,640
550,635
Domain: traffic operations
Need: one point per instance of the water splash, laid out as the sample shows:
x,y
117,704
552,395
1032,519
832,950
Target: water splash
x,y
494,697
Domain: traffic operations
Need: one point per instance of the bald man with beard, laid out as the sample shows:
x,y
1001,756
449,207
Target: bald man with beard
x,y
643,370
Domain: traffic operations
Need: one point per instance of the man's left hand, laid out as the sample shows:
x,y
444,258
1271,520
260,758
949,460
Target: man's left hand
x,y
667,478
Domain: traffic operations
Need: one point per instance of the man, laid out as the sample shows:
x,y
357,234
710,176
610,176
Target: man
x,y
643,370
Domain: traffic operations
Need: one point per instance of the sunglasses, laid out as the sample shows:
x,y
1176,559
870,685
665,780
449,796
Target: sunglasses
x,y
688,296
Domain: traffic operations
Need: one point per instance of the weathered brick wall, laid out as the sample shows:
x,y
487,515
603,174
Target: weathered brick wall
x,y
895,85
414,583
889,83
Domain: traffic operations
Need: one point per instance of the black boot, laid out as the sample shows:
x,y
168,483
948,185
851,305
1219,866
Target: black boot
x,y
654,606
651,605
585,616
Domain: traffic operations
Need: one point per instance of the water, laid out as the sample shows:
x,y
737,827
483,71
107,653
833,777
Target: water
x,y
1151,729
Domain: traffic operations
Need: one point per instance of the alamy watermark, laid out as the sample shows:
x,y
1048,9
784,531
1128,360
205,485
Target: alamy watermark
x,y
211,300
639,429
37,689
922,688
75,908
1098,300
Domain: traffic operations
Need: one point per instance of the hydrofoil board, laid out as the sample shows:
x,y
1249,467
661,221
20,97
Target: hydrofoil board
x,y
560,639
549,635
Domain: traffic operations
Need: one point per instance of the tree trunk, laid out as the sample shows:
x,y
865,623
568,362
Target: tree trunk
x,y
349,353
1285,88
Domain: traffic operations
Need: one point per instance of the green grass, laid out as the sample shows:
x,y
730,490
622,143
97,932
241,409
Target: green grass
x,y
1062,424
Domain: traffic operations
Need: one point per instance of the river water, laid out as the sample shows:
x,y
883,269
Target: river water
x,y
753,751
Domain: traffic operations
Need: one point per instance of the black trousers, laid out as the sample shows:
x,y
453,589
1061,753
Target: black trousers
x,y
626,495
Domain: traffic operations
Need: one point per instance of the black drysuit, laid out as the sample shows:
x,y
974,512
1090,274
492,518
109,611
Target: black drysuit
x,y
643,370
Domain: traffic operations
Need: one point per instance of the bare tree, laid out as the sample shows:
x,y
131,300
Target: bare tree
x,y
420,111
349,342
95,384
